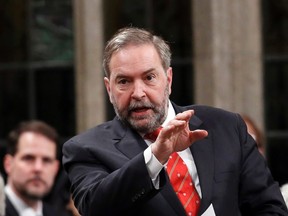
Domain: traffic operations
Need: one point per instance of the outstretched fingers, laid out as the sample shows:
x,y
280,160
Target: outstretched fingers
x,y
186,115
197,135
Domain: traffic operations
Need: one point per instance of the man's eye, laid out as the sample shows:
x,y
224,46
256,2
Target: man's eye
x,y
122,81
28,158
150,77
47,160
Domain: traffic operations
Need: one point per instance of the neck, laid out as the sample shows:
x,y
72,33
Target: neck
x,y
28,200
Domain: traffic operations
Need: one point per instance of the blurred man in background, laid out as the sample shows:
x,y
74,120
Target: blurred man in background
x,y
31,165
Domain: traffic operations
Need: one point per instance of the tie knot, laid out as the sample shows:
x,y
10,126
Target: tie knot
x,y
153,135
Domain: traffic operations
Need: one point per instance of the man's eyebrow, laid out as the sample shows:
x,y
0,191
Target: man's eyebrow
x,y
149,70
28,155
121,75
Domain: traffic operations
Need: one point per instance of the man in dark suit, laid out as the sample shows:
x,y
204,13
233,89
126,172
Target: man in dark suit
x,y
116,170
31,165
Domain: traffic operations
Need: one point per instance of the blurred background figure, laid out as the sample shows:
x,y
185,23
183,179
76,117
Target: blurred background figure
x,y
31,166
2,196
255,132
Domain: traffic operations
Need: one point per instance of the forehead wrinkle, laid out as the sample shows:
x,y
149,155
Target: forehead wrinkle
x,y
134,56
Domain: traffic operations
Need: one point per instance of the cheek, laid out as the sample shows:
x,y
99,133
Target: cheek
x,y
20,167
157,96
19,173
52,169
50,180
122,100
50,175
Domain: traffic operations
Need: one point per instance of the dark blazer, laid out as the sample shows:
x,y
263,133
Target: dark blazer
x,y
109,177
11,211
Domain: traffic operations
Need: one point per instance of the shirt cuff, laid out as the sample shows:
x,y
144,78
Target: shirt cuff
x,y
154,167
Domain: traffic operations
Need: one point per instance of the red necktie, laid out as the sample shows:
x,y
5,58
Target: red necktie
x,y
180,179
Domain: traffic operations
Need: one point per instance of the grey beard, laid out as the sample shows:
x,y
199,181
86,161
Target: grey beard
x,y
159,117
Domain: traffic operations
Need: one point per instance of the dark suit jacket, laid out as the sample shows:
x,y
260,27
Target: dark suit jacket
x,y
108,173
11,211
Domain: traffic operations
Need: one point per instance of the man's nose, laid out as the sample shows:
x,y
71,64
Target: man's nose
x,y
38,164
139,90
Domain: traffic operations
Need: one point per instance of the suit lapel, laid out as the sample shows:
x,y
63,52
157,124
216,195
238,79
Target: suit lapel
x,y
202,152
127,141
131,146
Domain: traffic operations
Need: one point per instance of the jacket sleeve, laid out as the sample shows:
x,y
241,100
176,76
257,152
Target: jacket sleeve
x,y
96,187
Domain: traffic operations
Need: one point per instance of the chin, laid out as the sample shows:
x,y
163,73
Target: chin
x,y
142,127
38,192
35,195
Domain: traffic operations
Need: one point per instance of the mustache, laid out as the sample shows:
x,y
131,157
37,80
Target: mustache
x,y
140,105
36,178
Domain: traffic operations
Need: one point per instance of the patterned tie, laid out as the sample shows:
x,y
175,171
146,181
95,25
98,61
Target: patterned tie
x,y
180,179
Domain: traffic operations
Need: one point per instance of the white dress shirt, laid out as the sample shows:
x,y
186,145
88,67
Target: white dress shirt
x,y
20,206
2,196
154,166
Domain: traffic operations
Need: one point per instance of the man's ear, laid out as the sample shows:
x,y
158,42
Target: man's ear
x,y
7,162
169,78
107,85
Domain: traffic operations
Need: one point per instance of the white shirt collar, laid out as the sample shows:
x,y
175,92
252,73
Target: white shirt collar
x,y
171,114
21,207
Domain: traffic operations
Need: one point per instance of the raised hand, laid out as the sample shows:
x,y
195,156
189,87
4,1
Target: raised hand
x,y
176,136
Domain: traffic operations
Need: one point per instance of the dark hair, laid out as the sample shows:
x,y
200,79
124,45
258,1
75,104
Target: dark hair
x,y
34,126
135,36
